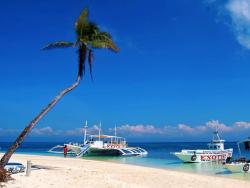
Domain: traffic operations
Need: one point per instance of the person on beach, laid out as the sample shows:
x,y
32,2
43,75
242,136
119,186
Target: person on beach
x,y
65,150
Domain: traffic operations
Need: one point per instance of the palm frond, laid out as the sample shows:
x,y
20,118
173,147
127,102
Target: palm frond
x,y
86,31
103,40
81,60
109,44
93,29
82,22
60,44
105,35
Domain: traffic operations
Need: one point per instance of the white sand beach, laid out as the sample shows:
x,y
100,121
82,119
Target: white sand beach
x,y
77,173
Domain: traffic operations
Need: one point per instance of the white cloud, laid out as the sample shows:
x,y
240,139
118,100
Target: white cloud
x,y
140,129
242,124
49,131
208,127
202,128
239,9
215,123
175,130
239,13
78,131
43,131
4,132
186,128
73,132
143,130
172,130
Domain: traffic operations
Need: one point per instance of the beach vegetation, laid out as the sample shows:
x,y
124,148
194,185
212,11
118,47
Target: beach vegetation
x,y
4,175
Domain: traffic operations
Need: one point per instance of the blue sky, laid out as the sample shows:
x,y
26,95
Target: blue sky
x,y
183,67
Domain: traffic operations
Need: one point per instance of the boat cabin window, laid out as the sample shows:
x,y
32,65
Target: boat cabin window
x,y
247,145
126,151
214,147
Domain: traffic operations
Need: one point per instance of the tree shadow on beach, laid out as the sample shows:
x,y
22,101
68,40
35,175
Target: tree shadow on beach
x,y
223,172
42,167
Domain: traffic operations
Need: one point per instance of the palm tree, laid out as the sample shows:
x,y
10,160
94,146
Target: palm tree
x,y
89,37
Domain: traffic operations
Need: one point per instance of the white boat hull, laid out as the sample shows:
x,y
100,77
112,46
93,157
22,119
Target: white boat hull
x,y
199,156
126,151
238,167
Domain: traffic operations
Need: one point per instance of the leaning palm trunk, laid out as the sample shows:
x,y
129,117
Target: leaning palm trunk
x,y
33,123
88,36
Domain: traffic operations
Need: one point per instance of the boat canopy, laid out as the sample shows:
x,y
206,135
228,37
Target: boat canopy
x,y
246,143
105,136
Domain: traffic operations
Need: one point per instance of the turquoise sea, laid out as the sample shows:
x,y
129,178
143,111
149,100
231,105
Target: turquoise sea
x,y
159,156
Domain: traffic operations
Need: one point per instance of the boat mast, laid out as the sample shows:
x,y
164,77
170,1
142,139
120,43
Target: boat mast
x,y
115,130
115,135
100,131
216,134
85,132
239,149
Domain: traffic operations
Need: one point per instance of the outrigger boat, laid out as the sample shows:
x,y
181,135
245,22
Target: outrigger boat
x,y
215,152
100,145
241,164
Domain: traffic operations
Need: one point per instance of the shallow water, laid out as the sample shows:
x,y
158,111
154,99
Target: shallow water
x,y
158,157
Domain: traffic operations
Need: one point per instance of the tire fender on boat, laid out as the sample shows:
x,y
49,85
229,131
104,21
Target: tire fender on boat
x,y
246,167
193,157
